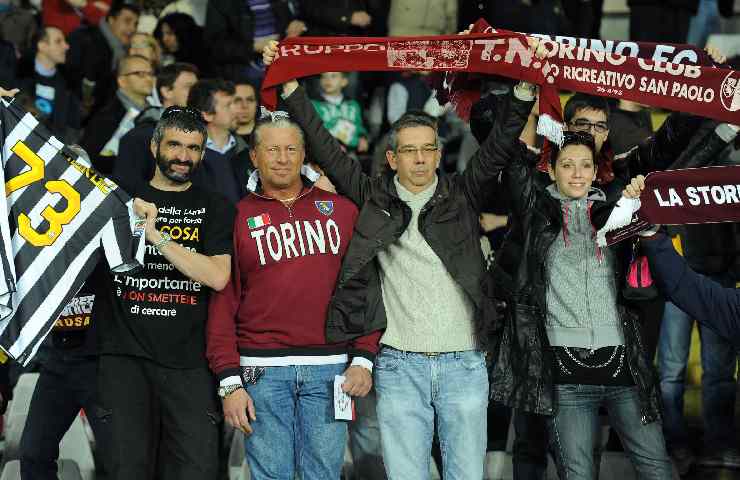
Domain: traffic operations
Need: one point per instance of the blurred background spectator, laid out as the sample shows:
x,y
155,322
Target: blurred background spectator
x,y
181,40
237,30
68,15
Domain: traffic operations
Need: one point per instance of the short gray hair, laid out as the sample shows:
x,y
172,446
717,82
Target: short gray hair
x,y
412,118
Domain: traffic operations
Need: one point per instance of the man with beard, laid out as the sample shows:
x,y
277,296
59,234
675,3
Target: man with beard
x,y
153,375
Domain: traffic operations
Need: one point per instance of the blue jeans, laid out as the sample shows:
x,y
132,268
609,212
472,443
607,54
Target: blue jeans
x,y
576,423
412,388
718,382
295,428
364,441
704,23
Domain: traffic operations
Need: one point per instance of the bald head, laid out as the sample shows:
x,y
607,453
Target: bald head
x,y
135,77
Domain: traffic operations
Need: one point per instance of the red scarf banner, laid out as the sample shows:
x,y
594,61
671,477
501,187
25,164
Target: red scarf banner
x,y
692,195
702,90
677,197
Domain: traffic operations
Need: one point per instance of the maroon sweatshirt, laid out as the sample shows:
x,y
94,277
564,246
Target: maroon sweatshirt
x,y
285,266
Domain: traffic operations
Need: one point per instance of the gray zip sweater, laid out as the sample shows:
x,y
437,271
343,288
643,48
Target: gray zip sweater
x,y
581,283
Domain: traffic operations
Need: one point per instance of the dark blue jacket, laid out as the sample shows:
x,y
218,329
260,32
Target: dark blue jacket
x,y
701,298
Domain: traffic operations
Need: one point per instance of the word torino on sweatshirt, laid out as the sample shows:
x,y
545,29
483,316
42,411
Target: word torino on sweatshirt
x,y
293,239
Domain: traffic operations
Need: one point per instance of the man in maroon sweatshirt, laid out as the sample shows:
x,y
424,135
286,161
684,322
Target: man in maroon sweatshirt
x,y
265,330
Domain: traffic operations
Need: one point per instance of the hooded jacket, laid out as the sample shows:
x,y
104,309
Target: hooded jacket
x,y
448,222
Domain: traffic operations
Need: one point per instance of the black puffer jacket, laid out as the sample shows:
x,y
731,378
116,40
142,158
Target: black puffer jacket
x,y
449,221
522,375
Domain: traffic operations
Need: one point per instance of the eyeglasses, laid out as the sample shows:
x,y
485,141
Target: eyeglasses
x,y
583,125
139,73
426,151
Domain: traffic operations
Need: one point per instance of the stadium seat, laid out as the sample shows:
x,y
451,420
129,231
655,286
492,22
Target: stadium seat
x,y
15,417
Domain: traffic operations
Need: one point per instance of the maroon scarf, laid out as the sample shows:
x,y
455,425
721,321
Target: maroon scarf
x,y
681,197
646,78
692,195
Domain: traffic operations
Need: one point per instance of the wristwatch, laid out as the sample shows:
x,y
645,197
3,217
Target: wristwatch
x,y
224,392
163,241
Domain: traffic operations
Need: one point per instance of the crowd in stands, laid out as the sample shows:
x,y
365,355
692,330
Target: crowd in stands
x,y
163,97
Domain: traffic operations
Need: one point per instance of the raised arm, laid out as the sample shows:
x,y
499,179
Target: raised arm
x,y
343,171
500,146
700,297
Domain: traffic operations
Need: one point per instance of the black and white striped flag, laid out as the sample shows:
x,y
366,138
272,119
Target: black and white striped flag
x,y
58,216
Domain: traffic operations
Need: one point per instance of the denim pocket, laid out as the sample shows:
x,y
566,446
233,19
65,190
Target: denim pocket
x,y
474,360
386,361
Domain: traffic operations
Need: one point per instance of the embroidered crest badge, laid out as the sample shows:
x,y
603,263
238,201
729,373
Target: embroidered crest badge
x,y
325,206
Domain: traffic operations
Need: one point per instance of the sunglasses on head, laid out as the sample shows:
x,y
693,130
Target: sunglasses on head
x,y
175,110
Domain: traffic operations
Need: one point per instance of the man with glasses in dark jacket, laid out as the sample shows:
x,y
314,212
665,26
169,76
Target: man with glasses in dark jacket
x,y
415,269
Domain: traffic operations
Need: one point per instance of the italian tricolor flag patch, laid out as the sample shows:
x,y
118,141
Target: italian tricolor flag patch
x,y
258,221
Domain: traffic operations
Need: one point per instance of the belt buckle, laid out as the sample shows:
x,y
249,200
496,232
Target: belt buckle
x,y
431,354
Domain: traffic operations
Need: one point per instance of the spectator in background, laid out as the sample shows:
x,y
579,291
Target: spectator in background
x,y
69,15
226,166
17,26
57,105
350,17
630,124
421,17
246,101
151,10
541,16
706,20
598,9
237,30
193,8
8,63
135,162
580,15
342,116
95,53
411,92
146,46
661,21
135,80
181,40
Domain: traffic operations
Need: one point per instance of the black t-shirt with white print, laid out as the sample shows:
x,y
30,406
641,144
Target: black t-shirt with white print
x,y
159,313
